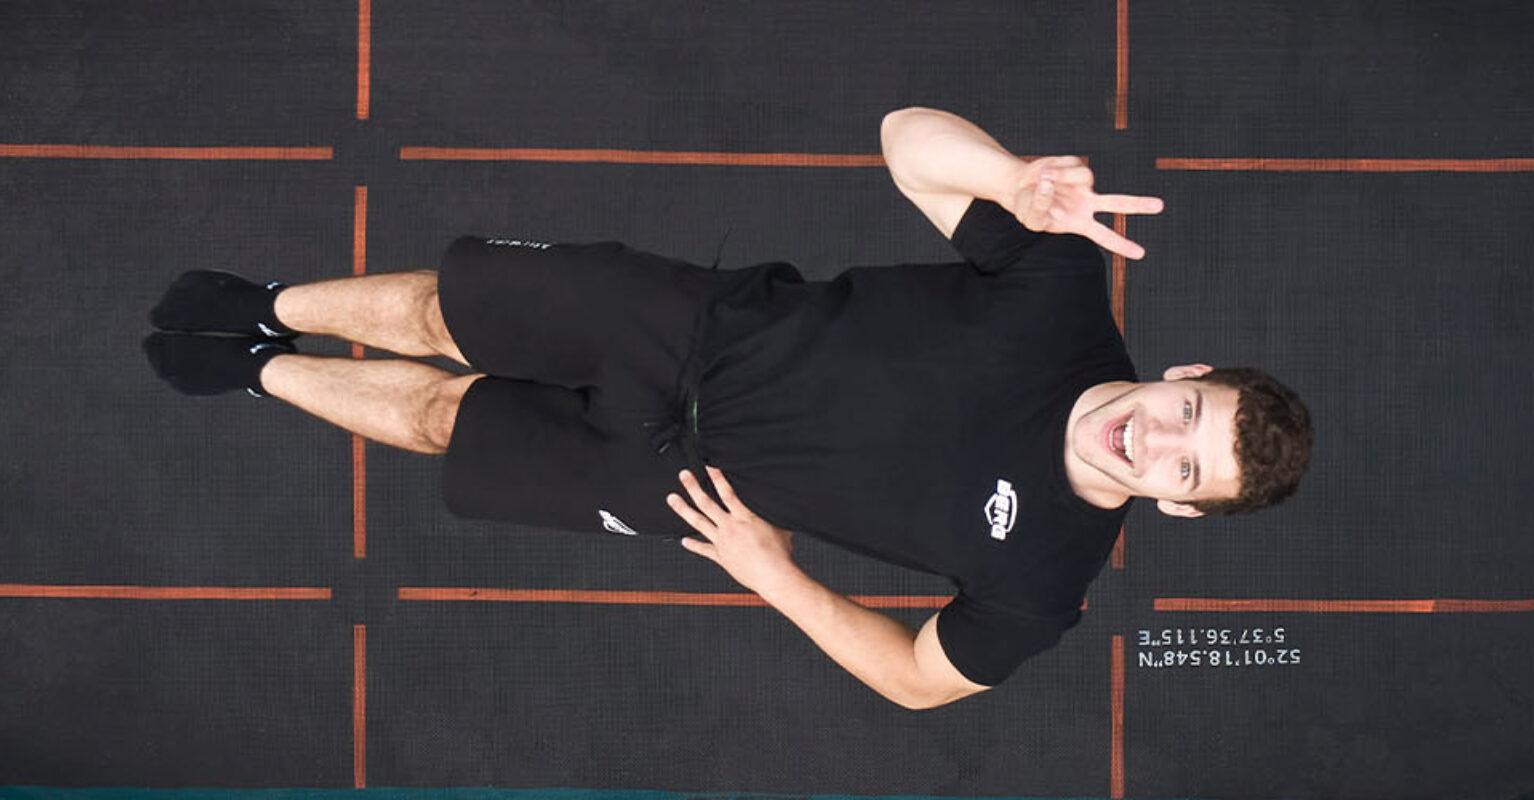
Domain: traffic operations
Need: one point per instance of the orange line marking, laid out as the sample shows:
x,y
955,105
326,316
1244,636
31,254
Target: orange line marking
x,y
359,494
1121,227
638,157
359,705
364,55
164,592
359,445
1435,606
359,230
641,598
1350,164
595,596
183,153
1116,759
1121,94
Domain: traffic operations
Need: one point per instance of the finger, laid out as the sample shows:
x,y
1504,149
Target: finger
x,y
1036,216
727,493
1075,176
1113,242
701,499
1129,204
690,515
1062,161
702,548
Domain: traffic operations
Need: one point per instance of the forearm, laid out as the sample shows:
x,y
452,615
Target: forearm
x,y
876,649
928,150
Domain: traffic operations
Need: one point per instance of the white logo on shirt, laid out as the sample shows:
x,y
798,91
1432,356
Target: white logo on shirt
x,y
518,243
616,525
1001,511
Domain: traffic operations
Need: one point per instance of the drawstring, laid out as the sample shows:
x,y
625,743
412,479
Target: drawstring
x,y
662,439
720,251
682,424
674,429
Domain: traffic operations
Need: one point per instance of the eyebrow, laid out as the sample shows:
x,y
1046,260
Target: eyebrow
x,y
1198,414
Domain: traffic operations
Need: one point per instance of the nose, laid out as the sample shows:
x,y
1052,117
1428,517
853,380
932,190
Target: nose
x,y
1159,439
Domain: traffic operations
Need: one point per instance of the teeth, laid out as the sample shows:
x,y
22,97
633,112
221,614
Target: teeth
x,y
1129,439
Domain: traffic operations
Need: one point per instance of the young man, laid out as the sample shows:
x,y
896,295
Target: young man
x,y
980,420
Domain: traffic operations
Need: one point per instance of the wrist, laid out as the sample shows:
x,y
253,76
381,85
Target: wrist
x,y
1010,185
781,581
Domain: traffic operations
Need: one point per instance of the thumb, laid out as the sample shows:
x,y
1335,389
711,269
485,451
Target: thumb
x,y
1036,216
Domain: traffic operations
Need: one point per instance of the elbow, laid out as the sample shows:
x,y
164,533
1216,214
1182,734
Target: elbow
x,y
895,140
901,115
888,130
907,133
893,120
895,127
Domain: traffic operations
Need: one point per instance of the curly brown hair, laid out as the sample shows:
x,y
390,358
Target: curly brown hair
x,y
1273,440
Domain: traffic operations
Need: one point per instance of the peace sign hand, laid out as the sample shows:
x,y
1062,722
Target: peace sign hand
x,y
751,549
1054,195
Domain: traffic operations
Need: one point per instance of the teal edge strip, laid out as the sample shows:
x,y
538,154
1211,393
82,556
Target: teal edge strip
x,y
125,793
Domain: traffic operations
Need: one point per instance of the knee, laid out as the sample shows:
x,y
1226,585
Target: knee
x,y
424,298
433,325
441,415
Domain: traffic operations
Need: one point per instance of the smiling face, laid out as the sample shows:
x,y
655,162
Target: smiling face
x,y
1172,440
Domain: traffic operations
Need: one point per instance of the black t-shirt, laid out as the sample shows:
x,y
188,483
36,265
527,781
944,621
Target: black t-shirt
x,y
917,413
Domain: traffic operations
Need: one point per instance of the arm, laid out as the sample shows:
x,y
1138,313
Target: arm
x,y
905,667
942,162
908,669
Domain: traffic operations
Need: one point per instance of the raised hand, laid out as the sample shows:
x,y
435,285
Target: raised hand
x,y
1054,195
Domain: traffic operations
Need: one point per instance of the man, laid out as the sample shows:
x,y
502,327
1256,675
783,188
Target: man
x,y
979,420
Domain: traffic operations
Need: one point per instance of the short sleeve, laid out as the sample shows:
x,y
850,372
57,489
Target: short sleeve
x,y
989,237
986,644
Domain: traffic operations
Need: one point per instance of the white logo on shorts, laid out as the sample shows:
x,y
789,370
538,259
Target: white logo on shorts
x,y
518,243
616,525
1001,511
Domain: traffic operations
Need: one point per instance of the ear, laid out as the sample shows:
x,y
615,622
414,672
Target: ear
x,y
1181,371
1174,509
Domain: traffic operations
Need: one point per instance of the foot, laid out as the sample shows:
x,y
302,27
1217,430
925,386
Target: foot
x,y
209,365
208,301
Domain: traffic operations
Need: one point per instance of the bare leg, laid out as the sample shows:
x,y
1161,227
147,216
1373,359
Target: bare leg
x,y
398,312
398,402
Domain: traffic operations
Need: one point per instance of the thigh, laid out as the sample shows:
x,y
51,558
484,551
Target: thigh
x,y
545,456
572,315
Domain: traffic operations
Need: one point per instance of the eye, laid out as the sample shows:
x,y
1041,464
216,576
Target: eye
x,y
1187,415
1187,469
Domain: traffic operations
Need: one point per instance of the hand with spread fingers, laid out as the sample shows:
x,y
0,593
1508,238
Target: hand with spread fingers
x,y
1054,195
751,549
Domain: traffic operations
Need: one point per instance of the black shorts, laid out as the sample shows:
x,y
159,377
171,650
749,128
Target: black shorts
x,y
582,346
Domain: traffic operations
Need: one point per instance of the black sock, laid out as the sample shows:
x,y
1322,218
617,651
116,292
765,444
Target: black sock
x,y
204,300
208,365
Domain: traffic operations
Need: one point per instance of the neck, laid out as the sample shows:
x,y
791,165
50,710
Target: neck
x,y
1086,481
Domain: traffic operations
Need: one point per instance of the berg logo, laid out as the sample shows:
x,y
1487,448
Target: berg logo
x,y
1001,510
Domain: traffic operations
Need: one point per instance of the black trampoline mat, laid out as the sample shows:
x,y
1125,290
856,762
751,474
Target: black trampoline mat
x,y
227,597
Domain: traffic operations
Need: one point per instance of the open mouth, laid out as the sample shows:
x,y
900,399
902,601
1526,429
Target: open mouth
x,y
1118,438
